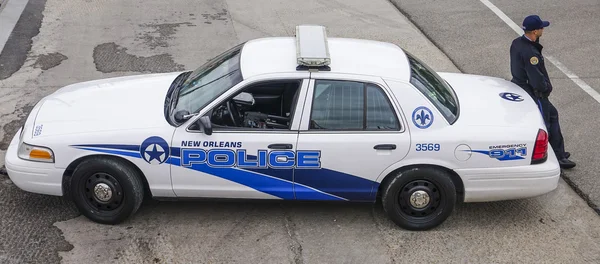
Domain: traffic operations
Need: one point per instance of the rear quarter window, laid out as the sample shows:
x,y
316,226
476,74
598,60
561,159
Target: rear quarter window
x,y
436,89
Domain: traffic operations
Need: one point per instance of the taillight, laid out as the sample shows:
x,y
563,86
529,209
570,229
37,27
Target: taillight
x,y
540,149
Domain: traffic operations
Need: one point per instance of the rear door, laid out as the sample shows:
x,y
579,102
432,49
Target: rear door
x,y
359,132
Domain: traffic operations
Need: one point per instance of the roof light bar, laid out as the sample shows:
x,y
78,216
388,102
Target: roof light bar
x,y
312,49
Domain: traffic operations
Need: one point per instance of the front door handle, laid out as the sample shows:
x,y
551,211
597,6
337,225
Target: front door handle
x,y
385,146
280,146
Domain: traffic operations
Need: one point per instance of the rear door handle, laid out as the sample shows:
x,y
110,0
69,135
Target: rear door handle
x,y
385,146
280,146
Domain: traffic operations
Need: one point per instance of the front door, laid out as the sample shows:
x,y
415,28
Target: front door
x,y
359,132
251,152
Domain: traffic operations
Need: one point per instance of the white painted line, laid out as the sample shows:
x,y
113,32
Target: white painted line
x,y
578,81
583,85
8,19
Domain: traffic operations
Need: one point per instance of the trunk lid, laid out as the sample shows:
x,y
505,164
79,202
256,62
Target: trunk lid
x,y
491,101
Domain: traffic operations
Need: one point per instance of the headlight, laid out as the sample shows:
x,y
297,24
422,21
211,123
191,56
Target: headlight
x,y
35,153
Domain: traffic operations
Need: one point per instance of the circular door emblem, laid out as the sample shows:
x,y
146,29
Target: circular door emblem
x,y
155,150
422,117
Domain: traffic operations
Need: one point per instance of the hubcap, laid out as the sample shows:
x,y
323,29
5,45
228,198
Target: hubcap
x,y
102,192
419,199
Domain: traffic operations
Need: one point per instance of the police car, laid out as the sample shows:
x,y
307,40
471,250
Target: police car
x,y
289,118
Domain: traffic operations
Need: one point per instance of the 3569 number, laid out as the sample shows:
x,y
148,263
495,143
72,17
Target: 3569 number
x,y
428,147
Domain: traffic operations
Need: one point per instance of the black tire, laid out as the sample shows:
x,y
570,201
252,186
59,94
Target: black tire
x,y
439,188
124,182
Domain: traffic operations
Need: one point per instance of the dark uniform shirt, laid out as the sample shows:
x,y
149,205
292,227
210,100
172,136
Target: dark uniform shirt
x,y
528,68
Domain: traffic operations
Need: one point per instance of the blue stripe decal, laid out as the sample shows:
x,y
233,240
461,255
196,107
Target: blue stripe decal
x,y
321,184
111,146
176,152
116,152
284,174
263,183
337,183
328,181
305,193
487,152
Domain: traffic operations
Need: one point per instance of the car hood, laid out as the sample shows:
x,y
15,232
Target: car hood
x,y
123,103
481,102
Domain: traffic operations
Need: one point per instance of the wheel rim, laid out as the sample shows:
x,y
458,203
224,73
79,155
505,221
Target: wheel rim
x,y
420,200
103,192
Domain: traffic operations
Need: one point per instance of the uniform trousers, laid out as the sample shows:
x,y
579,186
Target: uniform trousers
x,y
550,115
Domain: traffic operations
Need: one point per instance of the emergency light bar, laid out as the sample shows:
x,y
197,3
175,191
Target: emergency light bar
x,y
312,50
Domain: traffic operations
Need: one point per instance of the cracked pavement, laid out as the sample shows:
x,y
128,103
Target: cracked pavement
x,y
61,42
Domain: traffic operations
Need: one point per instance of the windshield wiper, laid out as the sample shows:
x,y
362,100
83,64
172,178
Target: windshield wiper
x,y
176,88
200,86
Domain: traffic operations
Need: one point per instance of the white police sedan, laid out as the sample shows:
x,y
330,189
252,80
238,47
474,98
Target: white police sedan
x,y
292,118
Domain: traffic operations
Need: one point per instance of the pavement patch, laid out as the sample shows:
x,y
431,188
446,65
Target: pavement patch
x,y
28,235
161,33
110,57
49,61
219,16
19,43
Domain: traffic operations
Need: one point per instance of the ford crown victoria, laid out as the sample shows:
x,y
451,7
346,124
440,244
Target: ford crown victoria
x,y
289,118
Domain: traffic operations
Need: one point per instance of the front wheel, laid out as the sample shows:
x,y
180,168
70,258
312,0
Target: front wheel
x,y
106,190
419,198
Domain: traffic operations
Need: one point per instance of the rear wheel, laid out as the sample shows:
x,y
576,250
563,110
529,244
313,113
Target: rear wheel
x,y
106,190
419,198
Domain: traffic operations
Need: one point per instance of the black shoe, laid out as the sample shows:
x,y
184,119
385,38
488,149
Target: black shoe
x,y
566,164
567,155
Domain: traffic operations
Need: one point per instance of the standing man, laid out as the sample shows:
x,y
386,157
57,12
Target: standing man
x,y
529,72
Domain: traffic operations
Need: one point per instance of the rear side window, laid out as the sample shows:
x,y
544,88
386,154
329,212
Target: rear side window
x,y
380,114
348,105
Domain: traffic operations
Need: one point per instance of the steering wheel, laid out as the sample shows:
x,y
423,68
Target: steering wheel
x,y
234,113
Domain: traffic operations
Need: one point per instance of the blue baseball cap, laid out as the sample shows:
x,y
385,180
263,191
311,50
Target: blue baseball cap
x,y
534,22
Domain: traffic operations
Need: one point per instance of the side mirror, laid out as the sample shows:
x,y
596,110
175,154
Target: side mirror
x,y
206,125
182,115
244,98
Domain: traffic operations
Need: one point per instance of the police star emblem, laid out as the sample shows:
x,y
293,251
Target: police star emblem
x,y
534,60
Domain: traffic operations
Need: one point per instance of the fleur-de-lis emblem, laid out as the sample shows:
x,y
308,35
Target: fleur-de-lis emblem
x,y
423,117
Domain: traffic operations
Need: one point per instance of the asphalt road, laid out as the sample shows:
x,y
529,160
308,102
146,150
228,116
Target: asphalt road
x,y
60,42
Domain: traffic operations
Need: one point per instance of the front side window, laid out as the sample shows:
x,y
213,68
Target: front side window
x,y
348,105
434,88
209,81
262,105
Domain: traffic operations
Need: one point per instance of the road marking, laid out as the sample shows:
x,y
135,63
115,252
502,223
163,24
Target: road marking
x,y
578,81
8,19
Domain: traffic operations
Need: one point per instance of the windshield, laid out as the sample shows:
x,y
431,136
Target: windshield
x,y
433,87
209,81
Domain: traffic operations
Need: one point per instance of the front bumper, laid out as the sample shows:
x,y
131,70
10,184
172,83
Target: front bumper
x,y
31,176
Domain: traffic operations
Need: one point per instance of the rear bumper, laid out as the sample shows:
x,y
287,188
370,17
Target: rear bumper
x,y
30,176
509,183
